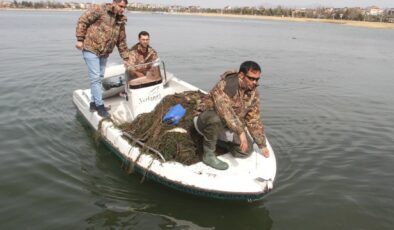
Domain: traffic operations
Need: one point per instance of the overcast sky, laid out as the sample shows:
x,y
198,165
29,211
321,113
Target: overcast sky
x,y
270,3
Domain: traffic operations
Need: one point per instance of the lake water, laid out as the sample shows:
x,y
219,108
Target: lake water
x,y
327,103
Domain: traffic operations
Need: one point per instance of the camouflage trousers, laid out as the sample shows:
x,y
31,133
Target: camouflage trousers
x,y
216,133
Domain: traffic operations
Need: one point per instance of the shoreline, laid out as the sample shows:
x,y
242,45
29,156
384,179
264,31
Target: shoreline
x,y
373,25
365,24
41,9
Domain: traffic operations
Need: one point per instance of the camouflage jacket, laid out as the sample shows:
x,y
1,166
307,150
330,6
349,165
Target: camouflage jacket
x,y
138,56
238,107
101,29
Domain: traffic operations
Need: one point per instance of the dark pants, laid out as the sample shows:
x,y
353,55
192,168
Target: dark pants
x,y
210,124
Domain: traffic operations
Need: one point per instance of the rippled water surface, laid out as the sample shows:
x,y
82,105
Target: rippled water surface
x,y
327,102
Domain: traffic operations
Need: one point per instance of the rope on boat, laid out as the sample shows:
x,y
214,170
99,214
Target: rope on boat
x,y
144,146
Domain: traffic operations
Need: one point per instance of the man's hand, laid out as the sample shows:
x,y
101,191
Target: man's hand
x,y
79,45
244,142
266,152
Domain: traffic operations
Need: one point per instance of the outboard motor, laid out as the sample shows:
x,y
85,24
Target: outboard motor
x,y
114,82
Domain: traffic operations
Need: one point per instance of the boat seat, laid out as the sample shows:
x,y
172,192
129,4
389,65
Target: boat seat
x,y
145,81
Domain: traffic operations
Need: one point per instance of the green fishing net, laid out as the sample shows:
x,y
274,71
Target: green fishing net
x,y
179,142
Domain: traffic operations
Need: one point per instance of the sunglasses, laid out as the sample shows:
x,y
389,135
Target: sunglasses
x,y
252,78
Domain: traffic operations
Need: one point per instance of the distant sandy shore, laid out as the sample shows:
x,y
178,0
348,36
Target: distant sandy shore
x,y
375,25
40,9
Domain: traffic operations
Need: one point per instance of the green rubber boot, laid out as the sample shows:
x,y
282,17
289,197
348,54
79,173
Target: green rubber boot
x,y
209,158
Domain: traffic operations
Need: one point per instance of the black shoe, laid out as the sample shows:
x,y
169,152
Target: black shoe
x,y
102,111
93,107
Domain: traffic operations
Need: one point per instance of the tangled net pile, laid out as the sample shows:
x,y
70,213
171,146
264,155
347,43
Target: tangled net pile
x,y
149,129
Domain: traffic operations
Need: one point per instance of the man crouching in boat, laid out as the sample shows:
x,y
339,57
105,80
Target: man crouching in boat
x,y
230,109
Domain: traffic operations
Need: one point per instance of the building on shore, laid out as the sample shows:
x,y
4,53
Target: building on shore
x,y
390,15
374,11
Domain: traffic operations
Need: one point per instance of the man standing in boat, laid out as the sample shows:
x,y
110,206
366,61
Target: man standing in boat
x,y
141,53
229,113
98,30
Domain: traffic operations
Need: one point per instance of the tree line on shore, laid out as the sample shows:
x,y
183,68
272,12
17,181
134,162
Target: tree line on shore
x,y
354,13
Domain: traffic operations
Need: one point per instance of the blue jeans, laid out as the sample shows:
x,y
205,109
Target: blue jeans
x,y
96,67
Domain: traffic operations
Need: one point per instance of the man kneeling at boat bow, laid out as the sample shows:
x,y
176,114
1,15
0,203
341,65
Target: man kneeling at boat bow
x,y
229,113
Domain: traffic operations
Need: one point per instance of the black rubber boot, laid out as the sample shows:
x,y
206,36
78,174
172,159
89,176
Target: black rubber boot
x,y
209,158
208,125
102,111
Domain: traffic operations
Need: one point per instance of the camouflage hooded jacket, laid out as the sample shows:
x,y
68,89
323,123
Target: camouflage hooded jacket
x,y
238,107
100,28
138,56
